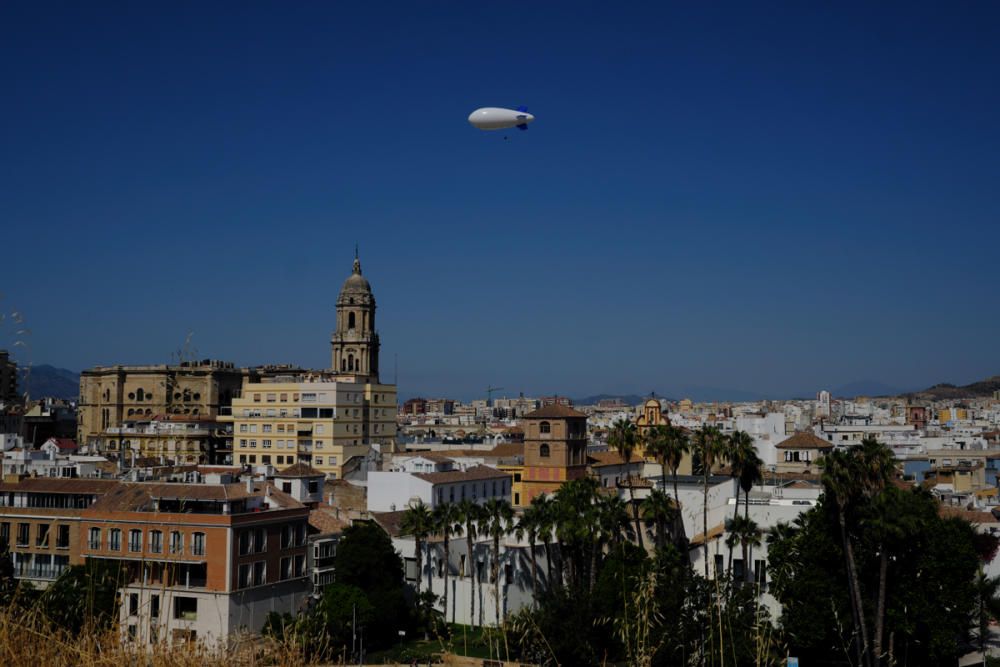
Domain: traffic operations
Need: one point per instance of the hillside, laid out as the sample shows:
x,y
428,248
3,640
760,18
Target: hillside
x,y
981,389
49,381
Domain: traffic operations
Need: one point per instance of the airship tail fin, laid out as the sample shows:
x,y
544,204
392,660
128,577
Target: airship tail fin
x,y
522,126
523,109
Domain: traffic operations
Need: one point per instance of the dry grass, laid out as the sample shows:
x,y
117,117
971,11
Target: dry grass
x,y
28,639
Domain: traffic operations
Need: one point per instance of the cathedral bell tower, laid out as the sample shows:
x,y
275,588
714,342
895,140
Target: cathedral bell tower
x,y
355,342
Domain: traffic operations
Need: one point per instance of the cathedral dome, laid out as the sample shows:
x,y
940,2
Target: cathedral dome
x,y
356,285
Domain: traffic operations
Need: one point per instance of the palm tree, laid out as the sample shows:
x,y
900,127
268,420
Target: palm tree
x,y
623,438
529,525
987,606
497,518
752,473
448,522
745,532
545,509
739,449
709,446
658,510
841,482
418,522
469,517
656,439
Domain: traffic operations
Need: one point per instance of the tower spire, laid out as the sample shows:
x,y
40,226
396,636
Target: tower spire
x,y
357,260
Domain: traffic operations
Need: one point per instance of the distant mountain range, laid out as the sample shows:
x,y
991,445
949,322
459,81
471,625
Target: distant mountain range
x,y
46,381
865,388
983,388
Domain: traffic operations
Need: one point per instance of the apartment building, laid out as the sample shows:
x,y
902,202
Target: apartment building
x,y
40,523
319,420
200,561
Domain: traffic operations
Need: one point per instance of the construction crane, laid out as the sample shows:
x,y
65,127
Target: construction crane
x,y
489,395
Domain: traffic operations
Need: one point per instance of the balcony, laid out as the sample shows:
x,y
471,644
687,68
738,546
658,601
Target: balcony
x,y
38,571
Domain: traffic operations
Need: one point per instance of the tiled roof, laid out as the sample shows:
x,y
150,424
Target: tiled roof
x,y
390,522
608,458
972,516
63,443
58,485
138,496
804,440
300,470
473,474
554,411
325,521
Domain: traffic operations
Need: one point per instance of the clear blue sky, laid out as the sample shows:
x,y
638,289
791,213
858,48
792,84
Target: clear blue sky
x,y
772,198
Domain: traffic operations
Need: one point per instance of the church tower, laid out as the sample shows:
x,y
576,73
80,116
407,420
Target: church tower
x,y
355,342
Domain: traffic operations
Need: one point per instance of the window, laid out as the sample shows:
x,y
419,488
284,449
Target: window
x,y
545,427
300,535
543,451
300,566
253,444
42,535
62,537
135,540
93,538
319,460
287,531
266,428
154,606
185,608
243,428
314,484
176,542
115,539
198,544
133,604
259,540
4,534
260,573
156,541
245,542
266,444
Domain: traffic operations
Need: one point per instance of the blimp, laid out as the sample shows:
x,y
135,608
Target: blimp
x,y
495,118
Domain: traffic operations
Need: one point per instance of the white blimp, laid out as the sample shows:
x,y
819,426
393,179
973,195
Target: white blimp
x,y
495,118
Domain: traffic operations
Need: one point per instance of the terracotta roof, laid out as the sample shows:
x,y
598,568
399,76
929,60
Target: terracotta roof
x,y
635,482
326,521
804,440
554,411
608,458
972,516
713,533
506,449
473,474
300,470
138,496
390,522
58,485
63,443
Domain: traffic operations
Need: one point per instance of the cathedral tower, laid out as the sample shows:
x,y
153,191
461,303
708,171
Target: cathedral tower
x,y
355,342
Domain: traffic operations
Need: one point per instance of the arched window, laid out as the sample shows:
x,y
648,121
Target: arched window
x,y
343,364
544,427
350,362
543,451
350,321
140,394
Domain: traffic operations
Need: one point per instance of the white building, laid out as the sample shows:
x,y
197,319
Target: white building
x,y
394,491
